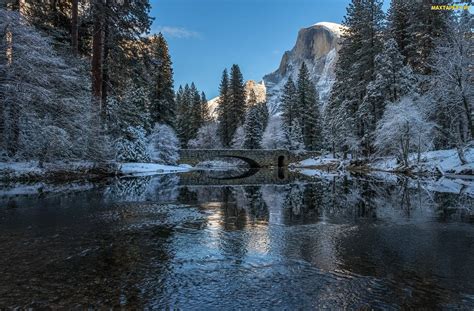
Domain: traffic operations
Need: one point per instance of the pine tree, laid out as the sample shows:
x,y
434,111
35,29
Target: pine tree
x,y
183,124
237,96
223,110
163,106
354,71
308,110
392,81
129,122
196,111
205,113
253,129
398,24
425,28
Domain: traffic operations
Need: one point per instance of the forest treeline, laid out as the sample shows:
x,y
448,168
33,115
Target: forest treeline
x,y
86,80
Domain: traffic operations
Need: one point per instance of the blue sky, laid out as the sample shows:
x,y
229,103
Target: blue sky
x,y
206,36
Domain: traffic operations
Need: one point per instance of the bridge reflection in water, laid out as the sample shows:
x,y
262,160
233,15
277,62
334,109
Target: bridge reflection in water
x,y
242,177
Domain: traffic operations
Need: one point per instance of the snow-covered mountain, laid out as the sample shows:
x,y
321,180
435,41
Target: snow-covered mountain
x,y
259,89
318,47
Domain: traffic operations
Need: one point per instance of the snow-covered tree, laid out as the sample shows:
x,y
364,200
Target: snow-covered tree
x,y
452,88
308,110
274,135
289,104
128,124
43,98
404,128
163,145
207,138
132,145
392,81
294,137
239,138
253,129
354,71
425,27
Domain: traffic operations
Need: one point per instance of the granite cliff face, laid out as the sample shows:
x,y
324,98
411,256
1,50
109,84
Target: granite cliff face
x,y
318,47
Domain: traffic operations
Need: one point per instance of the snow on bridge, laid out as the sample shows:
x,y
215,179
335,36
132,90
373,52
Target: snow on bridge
x,y
254,157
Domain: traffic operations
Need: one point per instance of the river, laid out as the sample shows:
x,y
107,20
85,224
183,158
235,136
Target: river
x,y
206,241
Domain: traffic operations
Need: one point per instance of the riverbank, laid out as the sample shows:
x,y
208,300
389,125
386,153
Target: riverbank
x,y
32,171
432,164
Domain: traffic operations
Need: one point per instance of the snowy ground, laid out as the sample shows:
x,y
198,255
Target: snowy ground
x,y
445,162
32,171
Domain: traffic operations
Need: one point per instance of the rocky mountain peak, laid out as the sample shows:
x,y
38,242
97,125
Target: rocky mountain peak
x,y
317,46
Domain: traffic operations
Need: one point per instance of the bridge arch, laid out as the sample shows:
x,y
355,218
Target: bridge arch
x,y
250,162
255,158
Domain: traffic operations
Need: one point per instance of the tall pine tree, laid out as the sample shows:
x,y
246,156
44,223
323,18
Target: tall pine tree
x,y
224,111
308,110
163,107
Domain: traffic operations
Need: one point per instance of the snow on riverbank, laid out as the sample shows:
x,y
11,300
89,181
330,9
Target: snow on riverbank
x,y
11,171
444,162
438,161
151,168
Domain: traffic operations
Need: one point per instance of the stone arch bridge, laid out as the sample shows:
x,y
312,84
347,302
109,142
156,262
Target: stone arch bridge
x,y
256,158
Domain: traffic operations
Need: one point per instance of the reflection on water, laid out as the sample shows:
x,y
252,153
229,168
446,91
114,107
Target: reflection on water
x,y
201,241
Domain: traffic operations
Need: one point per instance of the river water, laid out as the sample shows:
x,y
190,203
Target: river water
x,y
204,241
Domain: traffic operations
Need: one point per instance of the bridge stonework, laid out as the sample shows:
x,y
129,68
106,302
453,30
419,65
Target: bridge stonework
x,y
254,157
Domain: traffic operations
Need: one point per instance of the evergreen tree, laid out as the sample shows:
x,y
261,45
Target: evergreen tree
x,y
163,107
237,99
308,110
183,124
425,27
354,71
392,81
128,123
223,110
398,24
205,113
289,104
263,114
253,128
196,111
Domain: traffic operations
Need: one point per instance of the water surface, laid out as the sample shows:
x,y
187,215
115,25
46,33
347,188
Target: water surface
x,y
271,240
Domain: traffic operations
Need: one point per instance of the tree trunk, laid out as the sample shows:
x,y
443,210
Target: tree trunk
x,y
468,115
74,26
105,67
97,49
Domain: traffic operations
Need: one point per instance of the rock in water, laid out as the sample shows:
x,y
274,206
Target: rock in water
x,y
318,47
